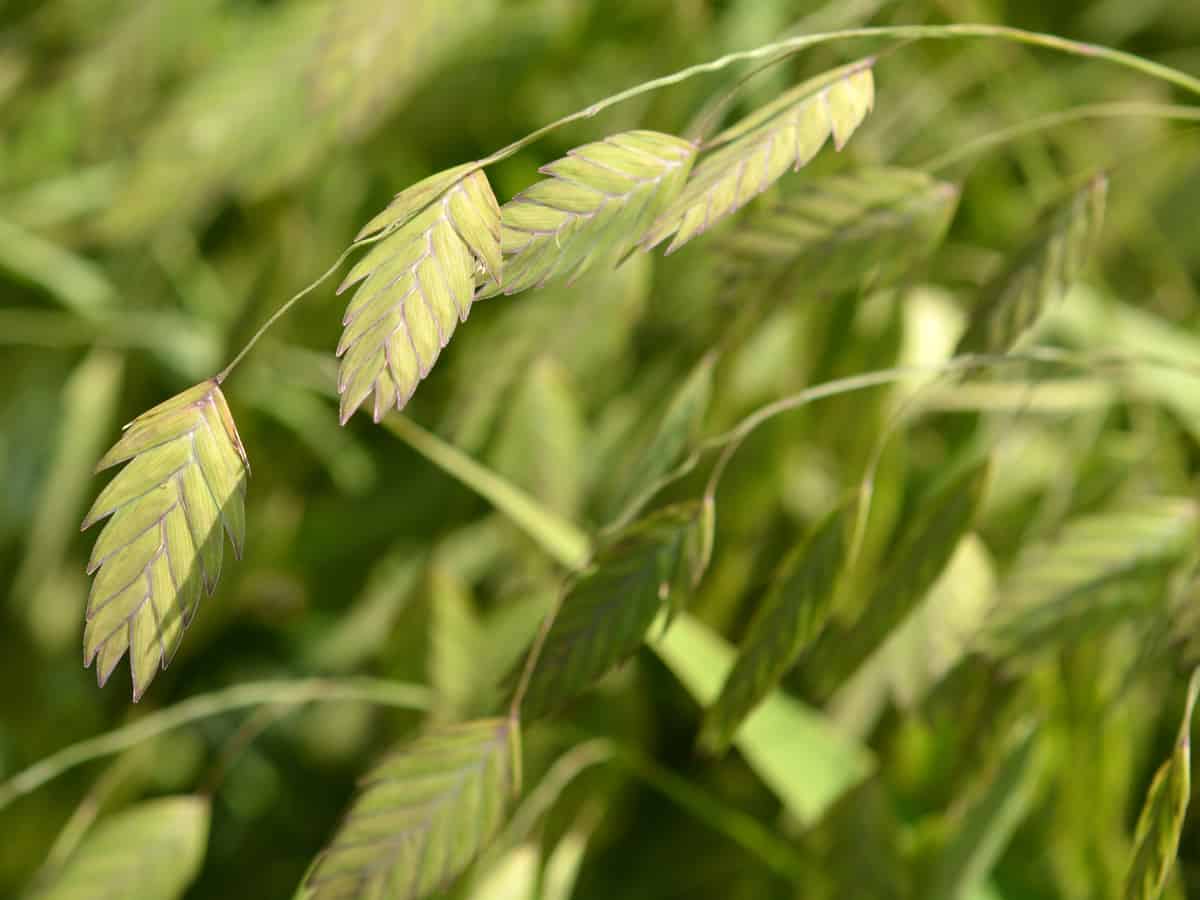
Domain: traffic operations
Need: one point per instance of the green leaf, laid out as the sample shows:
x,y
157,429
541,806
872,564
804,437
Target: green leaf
x,y
922,553
758,150
1156,839
1039,274
794,749
157,846
841,231
1088,576
417,284
597,202
423,814
677,431
184,482
606,612
985,822
786,622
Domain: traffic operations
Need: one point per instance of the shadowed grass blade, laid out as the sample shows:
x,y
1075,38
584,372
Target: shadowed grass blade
x,y
183,484
985,822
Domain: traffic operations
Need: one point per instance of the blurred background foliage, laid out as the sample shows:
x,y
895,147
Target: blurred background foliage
x,y
172,170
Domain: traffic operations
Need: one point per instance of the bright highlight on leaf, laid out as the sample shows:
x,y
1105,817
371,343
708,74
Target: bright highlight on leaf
x,y
418,283
597,202
152,851
1039,275
798,753
183,485
1156,841
842,231
788,620
758,150
605,614
423,814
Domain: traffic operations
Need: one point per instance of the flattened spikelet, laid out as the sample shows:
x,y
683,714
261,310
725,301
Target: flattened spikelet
x,y
605,614
417,284
596,203
757,151
423,814
182,490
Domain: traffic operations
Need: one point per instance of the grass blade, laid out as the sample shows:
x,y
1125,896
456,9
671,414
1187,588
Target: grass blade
x,y
984,825
89,403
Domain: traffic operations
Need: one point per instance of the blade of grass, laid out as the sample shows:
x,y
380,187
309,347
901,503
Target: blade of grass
x,y
361,690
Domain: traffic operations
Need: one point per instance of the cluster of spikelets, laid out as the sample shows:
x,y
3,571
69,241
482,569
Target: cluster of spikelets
x,y
439,246
446,242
